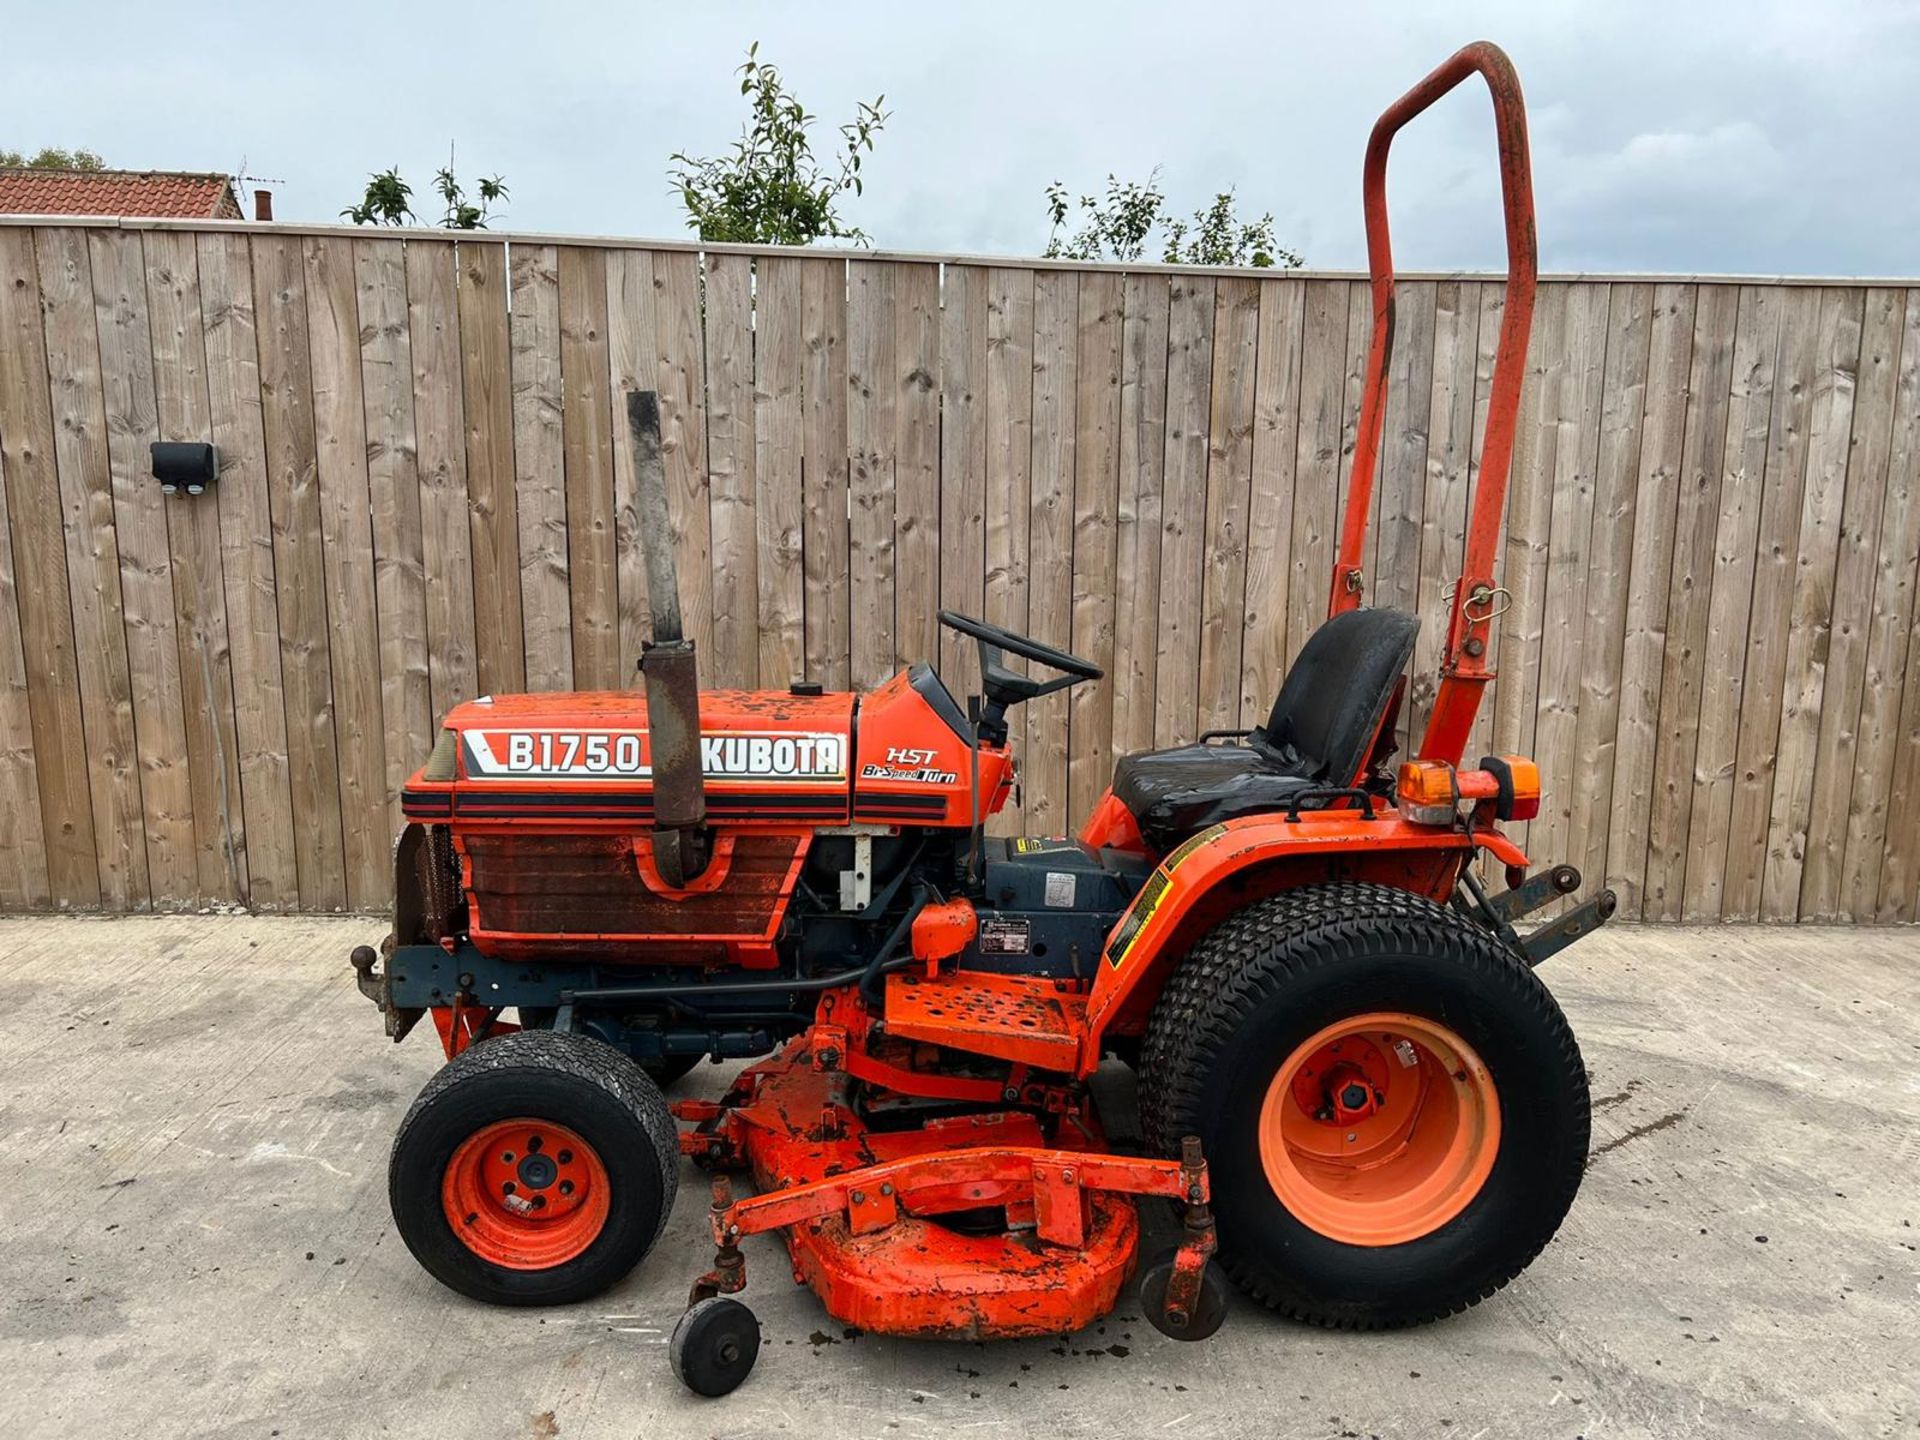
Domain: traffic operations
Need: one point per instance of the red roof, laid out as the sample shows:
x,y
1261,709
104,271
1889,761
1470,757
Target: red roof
x,y
117,192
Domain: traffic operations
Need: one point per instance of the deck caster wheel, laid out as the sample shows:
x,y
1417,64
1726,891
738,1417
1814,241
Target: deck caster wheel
x,y
1208,1311
714,1346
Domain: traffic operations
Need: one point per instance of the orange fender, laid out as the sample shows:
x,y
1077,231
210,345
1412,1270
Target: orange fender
x,y
1226,867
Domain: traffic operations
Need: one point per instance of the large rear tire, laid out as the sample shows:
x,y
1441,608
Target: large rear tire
x,y
1393,1108
535,1169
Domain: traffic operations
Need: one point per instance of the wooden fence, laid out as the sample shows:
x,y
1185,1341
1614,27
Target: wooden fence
x,y
425,494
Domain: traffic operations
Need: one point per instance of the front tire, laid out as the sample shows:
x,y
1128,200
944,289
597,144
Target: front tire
x,y
1393,1108
535,1169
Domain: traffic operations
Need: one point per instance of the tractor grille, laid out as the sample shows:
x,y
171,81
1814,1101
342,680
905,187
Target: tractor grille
x,y
584,893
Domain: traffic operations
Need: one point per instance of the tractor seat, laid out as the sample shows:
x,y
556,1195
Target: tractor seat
x,y
1321,732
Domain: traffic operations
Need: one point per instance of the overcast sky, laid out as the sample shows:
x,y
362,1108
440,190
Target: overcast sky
x,y
1762,137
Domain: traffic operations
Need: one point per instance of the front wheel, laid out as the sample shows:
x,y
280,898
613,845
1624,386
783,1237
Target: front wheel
x,y
535,1169
1393,1107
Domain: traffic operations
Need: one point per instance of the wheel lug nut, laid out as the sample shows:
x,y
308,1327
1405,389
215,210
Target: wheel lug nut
x,y
508,1188
566,1187
565,1157
533,1144
539,1202
506,1157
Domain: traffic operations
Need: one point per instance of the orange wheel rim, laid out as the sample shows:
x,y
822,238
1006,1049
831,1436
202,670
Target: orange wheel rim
x,y
1380,1128
526,1194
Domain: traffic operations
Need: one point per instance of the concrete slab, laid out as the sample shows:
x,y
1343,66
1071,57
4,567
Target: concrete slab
x,y
194,1120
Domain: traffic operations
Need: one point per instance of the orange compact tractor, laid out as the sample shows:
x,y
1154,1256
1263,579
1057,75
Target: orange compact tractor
x,y
1362,1103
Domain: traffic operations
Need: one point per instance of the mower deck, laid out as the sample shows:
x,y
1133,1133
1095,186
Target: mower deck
x,y
966,1226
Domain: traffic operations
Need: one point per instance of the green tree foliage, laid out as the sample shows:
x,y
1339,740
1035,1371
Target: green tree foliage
x,y
389,200
1120,226
50,158
770,190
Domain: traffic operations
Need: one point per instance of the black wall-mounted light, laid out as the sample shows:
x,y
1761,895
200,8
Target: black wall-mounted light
x,y
191,465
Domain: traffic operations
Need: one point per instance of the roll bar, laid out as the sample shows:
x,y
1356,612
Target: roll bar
x,y
1464,672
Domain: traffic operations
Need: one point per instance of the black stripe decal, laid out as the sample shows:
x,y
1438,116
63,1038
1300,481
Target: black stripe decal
x,y
868,800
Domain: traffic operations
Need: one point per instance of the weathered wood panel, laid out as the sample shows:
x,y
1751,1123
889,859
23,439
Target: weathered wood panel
x,y
40,589
299,568
345,506
586,447
234,394
779,471
93,565
1711,546
177,325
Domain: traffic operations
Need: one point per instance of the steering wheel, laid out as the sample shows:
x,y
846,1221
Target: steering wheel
x,y
1006,687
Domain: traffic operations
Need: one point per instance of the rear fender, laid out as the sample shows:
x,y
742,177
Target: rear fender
x,y
1226,867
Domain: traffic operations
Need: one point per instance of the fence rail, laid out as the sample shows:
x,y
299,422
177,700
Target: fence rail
x,y
1710,546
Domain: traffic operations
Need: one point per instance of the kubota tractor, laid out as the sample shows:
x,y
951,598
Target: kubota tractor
x,y
1351,1083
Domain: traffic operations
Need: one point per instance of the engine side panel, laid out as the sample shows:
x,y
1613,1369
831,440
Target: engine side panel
x,y
915,760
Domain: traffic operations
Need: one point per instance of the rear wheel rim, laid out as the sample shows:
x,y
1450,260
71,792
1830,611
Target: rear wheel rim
x,y
1380,1128
526,1194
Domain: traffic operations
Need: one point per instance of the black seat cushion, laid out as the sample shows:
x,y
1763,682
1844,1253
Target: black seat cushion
x,y
1319,733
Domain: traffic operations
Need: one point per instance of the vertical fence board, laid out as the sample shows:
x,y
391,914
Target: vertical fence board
x,y
1276,441
1764,667
1695,526
963,467
825,393
1449,451
1649,573
1096,499
1056,322
23,851
1223,565
1393,572
1563,600
1883,853
1526,554
631,361
873,397
779,469
200,610
299,568
1317,460
1183,509
246,544
682,369
917,557
1009,466
586,446
539,465
486,400
393,483
1143,442
1609,558
40,571
735,577
1841,706
1810,615
81,465
1749,419
439,417
346,506
146,568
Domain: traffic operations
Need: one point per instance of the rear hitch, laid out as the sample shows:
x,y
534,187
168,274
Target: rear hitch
x,y
1553,937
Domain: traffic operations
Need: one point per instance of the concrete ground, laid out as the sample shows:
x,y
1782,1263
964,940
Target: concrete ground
x,y
194,1240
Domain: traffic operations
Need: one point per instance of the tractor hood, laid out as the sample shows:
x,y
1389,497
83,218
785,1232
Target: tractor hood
x,y
764,754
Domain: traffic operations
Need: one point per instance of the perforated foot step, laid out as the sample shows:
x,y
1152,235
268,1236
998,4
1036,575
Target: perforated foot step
x,y
1011,1017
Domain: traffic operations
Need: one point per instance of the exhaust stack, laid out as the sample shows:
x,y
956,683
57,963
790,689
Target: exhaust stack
x,y
680,841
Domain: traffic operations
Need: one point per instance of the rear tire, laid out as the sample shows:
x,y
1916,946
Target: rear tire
x,y
535,1169
1454,1030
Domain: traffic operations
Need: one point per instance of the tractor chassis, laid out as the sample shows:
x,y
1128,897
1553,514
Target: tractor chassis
x,y
860,1209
